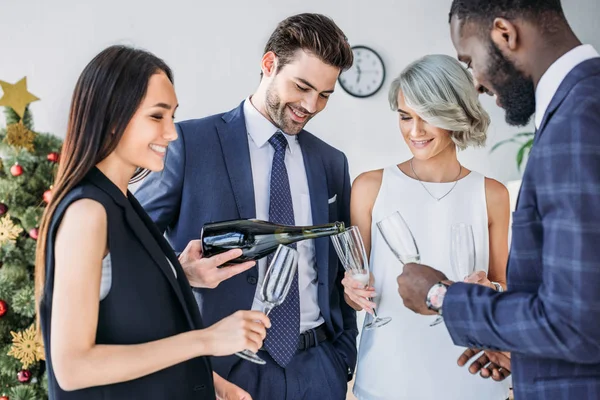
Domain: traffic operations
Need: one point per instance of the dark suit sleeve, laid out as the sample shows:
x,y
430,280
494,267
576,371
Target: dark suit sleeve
x,y
346,343
560,320
160,192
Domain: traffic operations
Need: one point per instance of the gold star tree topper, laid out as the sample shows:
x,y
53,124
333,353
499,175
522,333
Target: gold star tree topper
x,y
27,347
16,96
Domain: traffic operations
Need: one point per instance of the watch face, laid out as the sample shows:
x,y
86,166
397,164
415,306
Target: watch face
x,y
435,297
366,75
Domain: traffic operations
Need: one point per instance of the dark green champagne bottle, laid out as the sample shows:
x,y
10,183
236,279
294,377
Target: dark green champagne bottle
x,y
257,238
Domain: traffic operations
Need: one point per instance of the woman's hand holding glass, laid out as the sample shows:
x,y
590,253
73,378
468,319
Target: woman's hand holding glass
x,y
357,292
350,249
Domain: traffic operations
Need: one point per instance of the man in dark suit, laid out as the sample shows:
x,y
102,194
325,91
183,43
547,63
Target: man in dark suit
x,y
525,53
257,161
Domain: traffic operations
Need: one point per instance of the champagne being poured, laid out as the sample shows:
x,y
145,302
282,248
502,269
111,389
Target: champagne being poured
x,y
257,238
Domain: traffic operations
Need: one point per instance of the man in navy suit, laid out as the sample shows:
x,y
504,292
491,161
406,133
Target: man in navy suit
x,y
257,161
525,53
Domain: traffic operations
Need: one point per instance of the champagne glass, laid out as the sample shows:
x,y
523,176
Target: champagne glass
x,y
351,252
400,240
276,285
462,250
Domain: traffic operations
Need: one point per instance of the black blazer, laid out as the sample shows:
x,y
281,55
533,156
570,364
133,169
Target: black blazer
x,y
145,303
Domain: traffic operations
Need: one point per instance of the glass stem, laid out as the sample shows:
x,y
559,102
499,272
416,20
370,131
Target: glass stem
x,y
374,311
267,308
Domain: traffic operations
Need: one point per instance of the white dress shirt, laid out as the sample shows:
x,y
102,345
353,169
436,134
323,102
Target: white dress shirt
x,y
260,131
553,77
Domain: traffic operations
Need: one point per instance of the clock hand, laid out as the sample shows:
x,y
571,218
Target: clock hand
x,y
358,73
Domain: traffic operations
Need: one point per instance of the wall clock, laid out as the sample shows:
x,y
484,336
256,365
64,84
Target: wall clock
x,y
366,75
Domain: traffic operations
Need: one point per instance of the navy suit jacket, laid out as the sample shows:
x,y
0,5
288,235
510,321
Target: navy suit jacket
x,y
550,316
208,177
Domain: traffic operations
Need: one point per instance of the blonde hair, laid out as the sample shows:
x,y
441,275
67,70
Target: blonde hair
x,y
442,92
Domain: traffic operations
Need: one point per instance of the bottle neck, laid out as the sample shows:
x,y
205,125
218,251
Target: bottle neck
x,y
294,234
317,231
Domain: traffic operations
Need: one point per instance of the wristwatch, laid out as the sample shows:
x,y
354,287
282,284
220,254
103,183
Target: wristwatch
x,y
435,296
498,287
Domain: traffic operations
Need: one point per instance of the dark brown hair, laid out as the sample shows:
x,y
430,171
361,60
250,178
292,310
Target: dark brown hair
x,y
314,33
108,93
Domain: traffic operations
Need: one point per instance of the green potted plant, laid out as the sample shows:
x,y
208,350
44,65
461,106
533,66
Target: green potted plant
x,y
524,139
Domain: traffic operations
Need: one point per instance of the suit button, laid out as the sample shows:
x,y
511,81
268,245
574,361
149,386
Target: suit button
x,y
252,280
199,387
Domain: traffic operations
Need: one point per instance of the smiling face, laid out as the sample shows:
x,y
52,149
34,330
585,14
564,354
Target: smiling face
x,y
298,91
424,141
494,71
145,140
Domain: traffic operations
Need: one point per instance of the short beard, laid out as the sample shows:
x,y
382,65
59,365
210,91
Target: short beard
x,y
278,114
515,91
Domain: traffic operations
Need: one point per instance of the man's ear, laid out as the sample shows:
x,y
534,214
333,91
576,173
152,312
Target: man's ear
x,y
268,64
505,35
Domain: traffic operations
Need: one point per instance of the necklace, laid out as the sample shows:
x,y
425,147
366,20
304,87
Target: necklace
x,y
425,187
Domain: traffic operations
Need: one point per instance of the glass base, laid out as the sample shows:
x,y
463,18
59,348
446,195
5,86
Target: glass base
x,y
377,322
437,321
250,356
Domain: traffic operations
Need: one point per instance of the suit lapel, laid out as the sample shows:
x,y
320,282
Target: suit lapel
x,y
146,232
556,101
317,185
572,78
234,144
578,73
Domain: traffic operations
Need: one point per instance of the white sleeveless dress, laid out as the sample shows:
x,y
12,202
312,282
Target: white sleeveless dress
x,y
408,359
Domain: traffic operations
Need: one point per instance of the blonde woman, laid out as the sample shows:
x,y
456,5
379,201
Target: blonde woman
x,y
439,114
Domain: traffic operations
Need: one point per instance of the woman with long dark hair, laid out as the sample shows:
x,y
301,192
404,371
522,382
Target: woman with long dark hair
x,y
117,314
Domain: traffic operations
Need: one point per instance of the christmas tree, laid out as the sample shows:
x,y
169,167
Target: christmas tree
x,y
27,169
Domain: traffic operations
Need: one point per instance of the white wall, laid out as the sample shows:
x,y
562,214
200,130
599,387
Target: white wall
x,y
215,50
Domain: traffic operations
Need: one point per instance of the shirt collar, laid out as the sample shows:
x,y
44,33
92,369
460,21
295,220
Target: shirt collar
x,y
555,74
260,129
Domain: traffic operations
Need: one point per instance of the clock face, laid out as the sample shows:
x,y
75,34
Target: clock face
x,y
366,75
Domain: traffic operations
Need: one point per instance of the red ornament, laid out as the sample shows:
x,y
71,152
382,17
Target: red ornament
x,y
33,233
3,308
24,376
47,196
3,210
4,398
53,157
16,170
